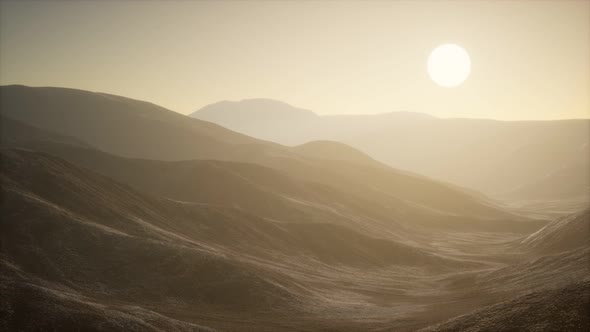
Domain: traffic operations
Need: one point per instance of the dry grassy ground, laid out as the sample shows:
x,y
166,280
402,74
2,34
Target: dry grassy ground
x,y
109,228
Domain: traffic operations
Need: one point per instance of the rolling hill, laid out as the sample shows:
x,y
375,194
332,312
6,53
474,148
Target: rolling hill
x,y
102,120
566,233
71,236
563,309
238,234
78,243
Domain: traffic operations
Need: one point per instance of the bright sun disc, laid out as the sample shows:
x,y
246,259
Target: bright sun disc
x,y
449,65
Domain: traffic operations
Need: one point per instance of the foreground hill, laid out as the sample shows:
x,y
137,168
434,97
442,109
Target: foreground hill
x,y
32,304
567,233
517,160
80,243
84,192
563,309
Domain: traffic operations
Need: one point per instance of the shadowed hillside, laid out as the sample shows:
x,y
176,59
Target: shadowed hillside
x,y
56,307
567,233
120,125
360,177
98,239
564,309
99,236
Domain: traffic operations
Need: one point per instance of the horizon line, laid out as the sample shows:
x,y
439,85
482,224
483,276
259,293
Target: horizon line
x,y
301,108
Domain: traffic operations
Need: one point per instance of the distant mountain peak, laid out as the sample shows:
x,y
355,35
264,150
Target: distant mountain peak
x,y
253,106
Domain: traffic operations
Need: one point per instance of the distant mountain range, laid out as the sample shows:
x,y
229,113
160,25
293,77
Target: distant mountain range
x,y
120,215
514,160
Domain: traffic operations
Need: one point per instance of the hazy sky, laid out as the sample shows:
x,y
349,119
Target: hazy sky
x,y
530,59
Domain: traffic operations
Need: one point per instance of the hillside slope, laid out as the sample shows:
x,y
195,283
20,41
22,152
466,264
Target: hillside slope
x,y
563,309
117,124
100,123
567,233
80,241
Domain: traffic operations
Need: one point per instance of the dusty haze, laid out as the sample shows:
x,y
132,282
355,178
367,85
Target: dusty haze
x,y
530,58
271,166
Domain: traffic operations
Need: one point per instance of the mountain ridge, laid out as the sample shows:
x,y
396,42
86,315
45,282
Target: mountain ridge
x,y
120,118
503,159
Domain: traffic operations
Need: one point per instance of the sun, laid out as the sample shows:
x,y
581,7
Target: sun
x,y
449,65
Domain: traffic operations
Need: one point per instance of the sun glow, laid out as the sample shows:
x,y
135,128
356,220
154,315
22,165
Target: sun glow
x,y
449,65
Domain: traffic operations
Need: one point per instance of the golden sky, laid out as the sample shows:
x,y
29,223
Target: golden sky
x,y
530,59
